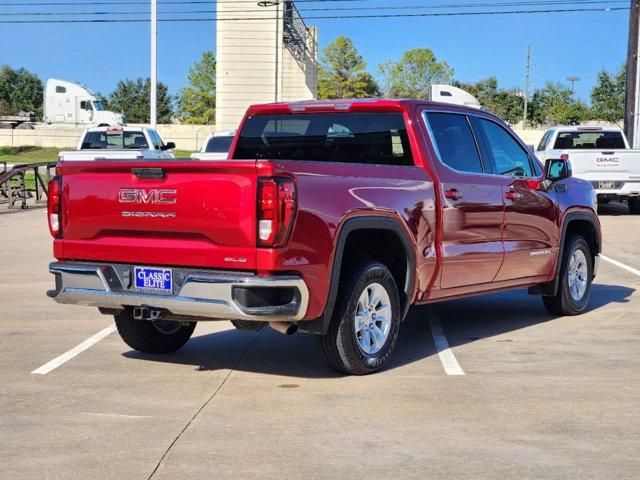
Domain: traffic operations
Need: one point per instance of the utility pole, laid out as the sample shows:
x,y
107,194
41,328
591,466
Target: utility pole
x,y
526,88
573,80
632,98
154,63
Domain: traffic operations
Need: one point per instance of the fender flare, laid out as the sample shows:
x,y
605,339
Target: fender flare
x,y
551,288
320,326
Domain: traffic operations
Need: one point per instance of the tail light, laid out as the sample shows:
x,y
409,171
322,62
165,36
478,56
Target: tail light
x,y
276,211
54,209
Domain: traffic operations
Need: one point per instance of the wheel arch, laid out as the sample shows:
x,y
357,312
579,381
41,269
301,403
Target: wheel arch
x,y
581,222
347,230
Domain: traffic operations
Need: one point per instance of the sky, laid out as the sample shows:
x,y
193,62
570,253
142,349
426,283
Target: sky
x,y
98,55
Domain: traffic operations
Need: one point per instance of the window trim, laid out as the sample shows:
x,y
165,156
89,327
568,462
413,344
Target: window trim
x,y
434,144
518,141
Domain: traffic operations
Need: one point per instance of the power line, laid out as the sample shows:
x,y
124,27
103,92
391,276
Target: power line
x,y
324,17
324,9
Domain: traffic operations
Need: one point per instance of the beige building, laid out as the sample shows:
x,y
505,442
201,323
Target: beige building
x,y
264,54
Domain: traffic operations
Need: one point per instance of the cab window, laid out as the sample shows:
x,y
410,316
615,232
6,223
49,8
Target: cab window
x,y
509,157
455,142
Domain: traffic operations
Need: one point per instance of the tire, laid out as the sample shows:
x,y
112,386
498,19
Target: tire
x,y
568,301
345,344
634,205
152,336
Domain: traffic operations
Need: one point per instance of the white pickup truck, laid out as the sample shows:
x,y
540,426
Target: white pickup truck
x,y
216,146
122,143
599,155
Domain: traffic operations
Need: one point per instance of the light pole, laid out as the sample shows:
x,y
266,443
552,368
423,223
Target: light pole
x,y
573,81
154,64
275,3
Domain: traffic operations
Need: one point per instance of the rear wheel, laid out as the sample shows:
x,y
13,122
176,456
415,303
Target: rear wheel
x,y
366,321
634,205
157,336
576,275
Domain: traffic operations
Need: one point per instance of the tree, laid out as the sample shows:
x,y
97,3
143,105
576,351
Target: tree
x,y
418,69
197,102
555,104
20,90
132,97
343,72
385,70
508,104
607,97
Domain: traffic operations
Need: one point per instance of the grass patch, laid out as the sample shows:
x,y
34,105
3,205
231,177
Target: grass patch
x,y
18,155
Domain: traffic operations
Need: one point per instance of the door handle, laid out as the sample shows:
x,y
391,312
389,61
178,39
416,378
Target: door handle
x,y
453,194
511,195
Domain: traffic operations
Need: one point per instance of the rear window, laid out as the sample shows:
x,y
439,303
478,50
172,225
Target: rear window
x,y
220,144
370,138
587,140
115,140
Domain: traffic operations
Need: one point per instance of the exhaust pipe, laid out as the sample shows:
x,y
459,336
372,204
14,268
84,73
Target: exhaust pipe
x,y
285,328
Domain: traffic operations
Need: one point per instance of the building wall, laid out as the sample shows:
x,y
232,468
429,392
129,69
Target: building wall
x,y
253,64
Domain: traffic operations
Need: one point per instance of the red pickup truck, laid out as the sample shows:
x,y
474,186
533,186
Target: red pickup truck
x,y
329,217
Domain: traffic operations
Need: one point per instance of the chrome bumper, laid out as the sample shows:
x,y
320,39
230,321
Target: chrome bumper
x,y
197,293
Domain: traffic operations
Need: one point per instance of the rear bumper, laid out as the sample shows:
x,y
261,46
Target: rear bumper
x,y
197,293
620,188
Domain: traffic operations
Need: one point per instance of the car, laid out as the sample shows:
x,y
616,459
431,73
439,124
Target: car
x,y
332,218
122,143
600,155
216,146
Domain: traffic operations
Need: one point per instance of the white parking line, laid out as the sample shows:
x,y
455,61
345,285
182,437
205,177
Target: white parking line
x,y
448,359
65,357
621,265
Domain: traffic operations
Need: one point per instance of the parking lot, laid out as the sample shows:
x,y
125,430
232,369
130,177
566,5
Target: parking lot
x,y
519,394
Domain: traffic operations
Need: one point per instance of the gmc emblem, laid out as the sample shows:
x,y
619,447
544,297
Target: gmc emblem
x,y
154,196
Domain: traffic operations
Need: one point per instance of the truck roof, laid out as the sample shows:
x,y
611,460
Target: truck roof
x,y
351,105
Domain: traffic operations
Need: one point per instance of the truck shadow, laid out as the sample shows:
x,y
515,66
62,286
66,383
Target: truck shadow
x,y
464,321
613,209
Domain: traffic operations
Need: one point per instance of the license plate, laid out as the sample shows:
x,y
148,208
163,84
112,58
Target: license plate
x,y
154,279
606,185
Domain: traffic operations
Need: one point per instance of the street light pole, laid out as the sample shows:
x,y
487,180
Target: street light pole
x,y
573,80
632,99
154,63
526,89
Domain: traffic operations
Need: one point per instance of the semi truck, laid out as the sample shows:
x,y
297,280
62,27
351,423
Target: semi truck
x,y
74,104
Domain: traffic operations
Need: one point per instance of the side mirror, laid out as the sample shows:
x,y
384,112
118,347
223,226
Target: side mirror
x,y
557,169
169,146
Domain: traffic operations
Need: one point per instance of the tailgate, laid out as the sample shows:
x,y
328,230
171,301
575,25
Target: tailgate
x,y
605,165
191,214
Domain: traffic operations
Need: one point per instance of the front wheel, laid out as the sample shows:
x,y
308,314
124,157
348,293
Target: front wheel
x,y
153,336
576,275
634,205
366,321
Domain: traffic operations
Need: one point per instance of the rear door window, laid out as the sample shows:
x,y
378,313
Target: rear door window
x,y
369,138
455,142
